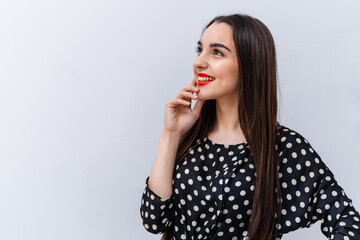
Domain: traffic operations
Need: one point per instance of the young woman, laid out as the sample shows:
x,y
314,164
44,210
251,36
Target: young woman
x,y
226,169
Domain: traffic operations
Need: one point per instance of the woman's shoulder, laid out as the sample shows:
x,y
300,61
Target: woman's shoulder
x,y
288,138
295,150
292,145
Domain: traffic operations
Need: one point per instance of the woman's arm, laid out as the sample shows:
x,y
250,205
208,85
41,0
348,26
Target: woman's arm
x,y
161,176
311,193
157,209
157,205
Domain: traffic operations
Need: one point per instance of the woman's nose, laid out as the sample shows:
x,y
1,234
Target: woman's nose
x,y
200,62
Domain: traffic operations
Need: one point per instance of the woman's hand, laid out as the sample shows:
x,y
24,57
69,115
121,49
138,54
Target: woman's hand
x,y
179,117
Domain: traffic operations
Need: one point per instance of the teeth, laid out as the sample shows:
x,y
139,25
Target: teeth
x,y
205,79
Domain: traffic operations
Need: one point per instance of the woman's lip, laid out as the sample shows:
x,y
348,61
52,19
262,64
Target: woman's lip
x,y
203,83
204,75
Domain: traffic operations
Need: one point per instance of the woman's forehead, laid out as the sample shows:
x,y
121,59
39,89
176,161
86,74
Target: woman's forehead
x,y
218,32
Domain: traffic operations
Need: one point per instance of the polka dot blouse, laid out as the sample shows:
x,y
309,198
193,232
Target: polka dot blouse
x,y
213,185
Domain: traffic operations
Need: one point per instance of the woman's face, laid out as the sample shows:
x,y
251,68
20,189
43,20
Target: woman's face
x,y
217,63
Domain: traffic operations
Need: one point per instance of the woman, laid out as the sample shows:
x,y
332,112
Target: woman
x,y
226,169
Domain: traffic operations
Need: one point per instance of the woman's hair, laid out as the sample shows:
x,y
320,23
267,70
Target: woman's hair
x,y
257,107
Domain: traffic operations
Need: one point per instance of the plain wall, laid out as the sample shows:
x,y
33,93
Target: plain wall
x,y
83,87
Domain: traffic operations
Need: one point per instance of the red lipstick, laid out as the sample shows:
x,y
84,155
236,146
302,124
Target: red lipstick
x,y
205,75
204,79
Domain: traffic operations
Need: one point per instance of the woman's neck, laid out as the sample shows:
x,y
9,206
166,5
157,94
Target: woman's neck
x,y
227,128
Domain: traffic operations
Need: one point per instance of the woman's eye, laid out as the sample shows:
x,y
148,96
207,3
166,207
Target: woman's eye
x,y
217,52
198,49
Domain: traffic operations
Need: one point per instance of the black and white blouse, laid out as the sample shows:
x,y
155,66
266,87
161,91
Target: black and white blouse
x,y
213,185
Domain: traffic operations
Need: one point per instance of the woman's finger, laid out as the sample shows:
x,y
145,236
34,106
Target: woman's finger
x,y
182,102
187,95
193,82
178,102
190,89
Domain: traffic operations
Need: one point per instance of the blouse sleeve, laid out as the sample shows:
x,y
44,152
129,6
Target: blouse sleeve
x,y
311,193
157,214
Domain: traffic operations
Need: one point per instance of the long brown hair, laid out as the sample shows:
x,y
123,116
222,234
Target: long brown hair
x,y
257,107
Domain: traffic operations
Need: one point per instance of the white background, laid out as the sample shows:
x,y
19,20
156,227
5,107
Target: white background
x,y
83,87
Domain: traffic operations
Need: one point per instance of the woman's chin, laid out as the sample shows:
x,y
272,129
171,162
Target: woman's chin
x,y
204,97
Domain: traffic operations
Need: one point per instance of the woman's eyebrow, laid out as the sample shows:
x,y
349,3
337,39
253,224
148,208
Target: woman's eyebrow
x,y
216,45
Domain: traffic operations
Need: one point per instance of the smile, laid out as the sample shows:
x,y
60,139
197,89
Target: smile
x,y
204,79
